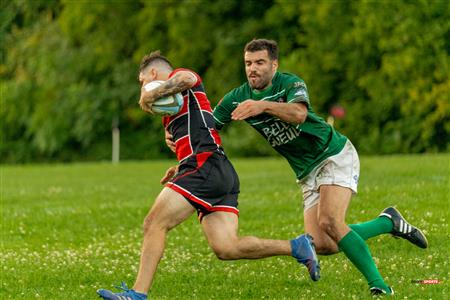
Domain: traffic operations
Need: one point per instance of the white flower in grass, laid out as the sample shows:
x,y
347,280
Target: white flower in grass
x,y
376,260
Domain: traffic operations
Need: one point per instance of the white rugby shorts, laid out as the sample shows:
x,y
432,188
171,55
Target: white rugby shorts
x,y
341,169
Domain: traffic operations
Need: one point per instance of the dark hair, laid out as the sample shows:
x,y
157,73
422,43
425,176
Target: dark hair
x,y
154,56
263,44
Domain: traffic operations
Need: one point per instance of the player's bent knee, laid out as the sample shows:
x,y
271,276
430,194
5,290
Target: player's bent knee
x,y
224,252
225,255
326,224
329,226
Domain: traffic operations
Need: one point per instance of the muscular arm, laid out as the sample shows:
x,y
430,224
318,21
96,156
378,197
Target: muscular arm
x,y
294,113
181,81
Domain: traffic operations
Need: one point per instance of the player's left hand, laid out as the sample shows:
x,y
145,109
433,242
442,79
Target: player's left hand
x,y
169,141
247,109
169,174
146,107
146,101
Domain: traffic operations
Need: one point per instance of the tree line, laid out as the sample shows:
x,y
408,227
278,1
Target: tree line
x,y
69,70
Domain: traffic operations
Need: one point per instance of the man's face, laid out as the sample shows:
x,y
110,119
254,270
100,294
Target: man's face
x,y
259,69
146,76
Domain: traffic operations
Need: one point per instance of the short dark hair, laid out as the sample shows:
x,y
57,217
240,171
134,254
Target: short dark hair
x,y
262,44
153,57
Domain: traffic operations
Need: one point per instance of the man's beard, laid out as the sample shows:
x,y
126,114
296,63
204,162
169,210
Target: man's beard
x,y
260,83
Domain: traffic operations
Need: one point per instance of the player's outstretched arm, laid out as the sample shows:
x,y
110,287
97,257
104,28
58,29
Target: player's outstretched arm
x,y
294,113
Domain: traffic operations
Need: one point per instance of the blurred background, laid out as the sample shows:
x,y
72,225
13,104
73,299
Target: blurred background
x,y
69,69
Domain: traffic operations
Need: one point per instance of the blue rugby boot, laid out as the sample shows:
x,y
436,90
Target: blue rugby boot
x,y
127,294
303,250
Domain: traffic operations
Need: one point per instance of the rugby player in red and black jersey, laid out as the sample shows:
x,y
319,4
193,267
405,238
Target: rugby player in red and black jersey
x,y
204,181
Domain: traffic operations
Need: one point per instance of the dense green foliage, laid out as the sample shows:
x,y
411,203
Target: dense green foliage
x,y
69,69
68,230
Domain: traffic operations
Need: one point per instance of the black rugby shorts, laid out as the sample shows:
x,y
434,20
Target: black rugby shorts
x,y
209,182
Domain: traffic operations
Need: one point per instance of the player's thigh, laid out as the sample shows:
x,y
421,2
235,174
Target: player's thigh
x,y
221,229
336,181
333,204
334,201
170,209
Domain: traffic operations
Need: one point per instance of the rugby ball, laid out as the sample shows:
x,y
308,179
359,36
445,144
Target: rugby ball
x,y
170,105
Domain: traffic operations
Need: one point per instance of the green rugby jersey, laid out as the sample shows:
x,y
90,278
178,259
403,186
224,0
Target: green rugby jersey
x,y
304,145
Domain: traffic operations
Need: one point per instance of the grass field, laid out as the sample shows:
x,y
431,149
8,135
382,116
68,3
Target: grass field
x,y
68,230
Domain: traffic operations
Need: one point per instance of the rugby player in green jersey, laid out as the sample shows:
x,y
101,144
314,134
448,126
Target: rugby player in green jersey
x,y
324,161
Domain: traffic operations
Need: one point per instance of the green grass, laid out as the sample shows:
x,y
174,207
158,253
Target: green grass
x,y
70,229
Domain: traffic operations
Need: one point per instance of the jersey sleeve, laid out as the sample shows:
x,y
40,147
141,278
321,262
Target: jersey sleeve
x,y
296,92
222,112
199,79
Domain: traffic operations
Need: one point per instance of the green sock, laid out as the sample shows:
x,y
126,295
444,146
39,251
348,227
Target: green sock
x,y
373,228
357,251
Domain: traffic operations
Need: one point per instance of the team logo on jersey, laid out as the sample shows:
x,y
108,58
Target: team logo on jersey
x,y
299,84
302,93
279,133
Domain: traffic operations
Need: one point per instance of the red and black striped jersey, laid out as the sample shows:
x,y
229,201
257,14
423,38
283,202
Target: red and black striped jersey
x,y
193,128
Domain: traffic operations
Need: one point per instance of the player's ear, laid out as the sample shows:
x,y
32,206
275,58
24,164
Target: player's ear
x,y
153,73
274,65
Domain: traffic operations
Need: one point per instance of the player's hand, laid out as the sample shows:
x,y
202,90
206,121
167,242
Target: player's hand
x,y
247,109
169,174
146,101
169,141
146,107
